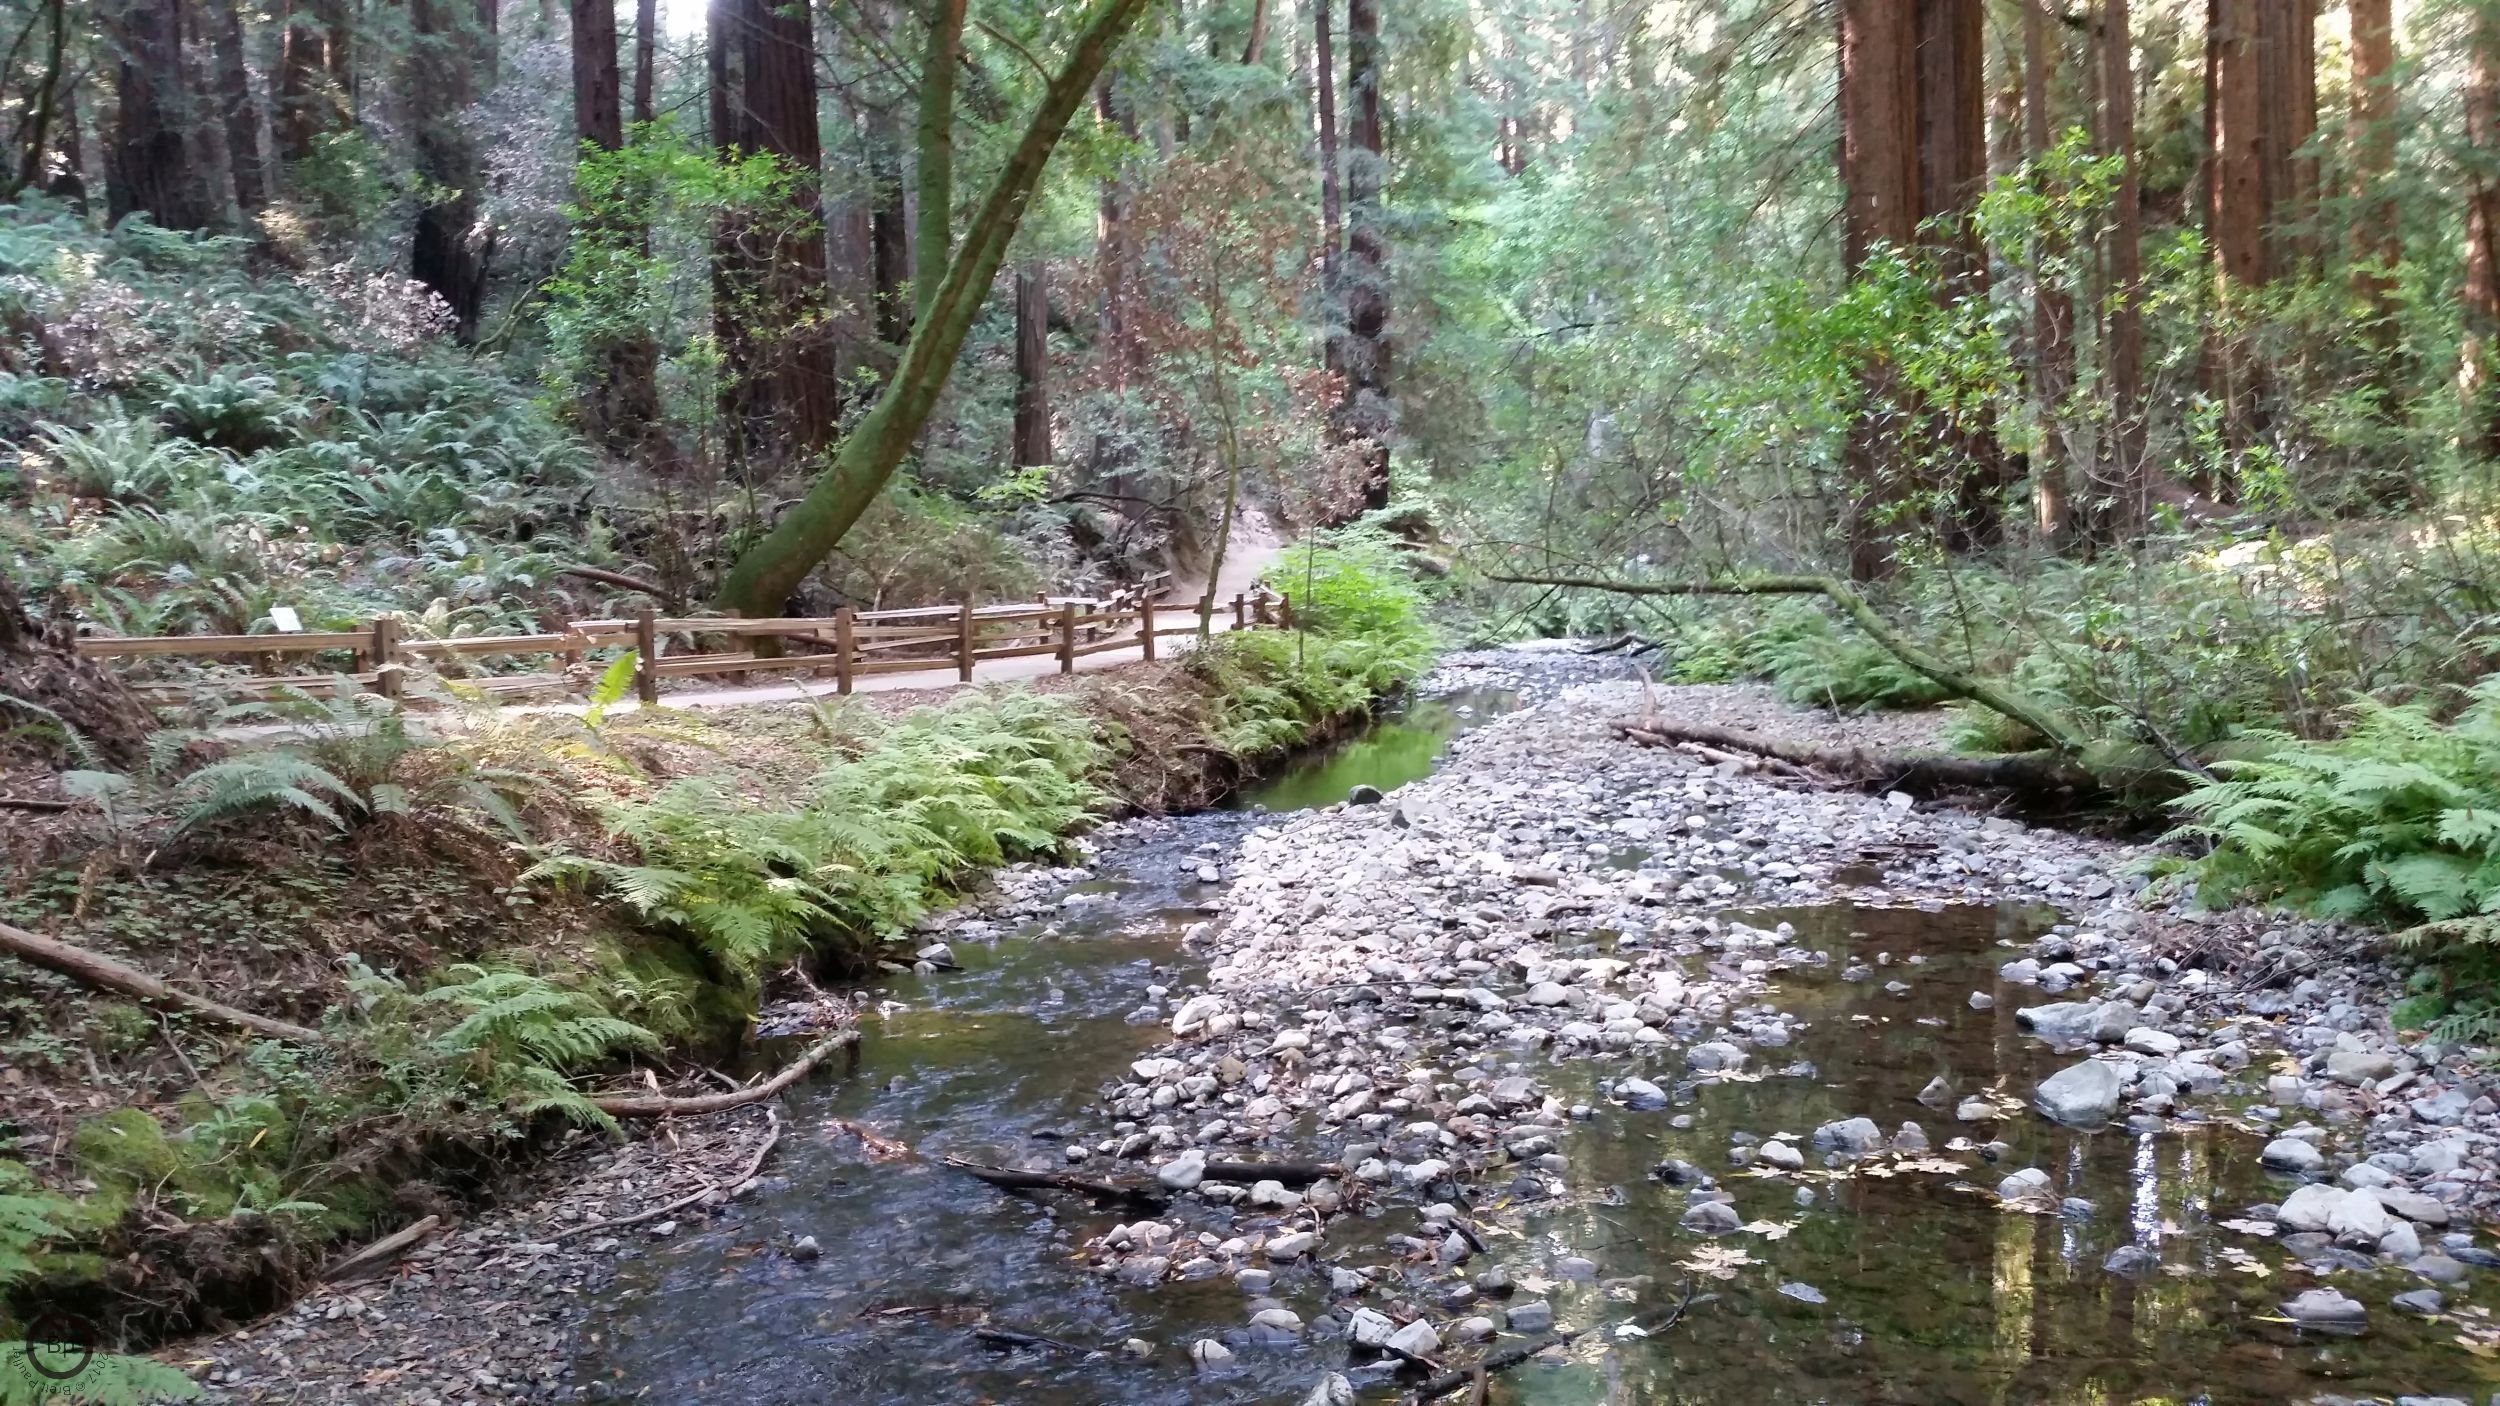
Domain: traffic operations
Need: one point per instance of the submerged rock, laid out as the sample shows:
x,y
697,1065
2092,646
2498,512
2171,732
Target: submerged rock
x,y
2082,1095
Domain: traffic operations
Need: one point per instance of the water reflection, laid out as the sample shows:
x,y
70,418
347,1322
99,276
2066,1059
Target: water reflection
x,y
1399,746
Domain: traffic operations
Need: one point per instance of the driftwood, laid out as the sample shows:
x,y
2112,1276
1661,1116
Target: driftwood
x,y
1912,770
686,1106
96,969
381,1251
754,1164
1452,1382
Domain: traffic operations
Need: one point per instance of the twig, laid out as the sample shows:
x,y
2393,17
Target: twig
x,y
664,1106
371,1256
772,1136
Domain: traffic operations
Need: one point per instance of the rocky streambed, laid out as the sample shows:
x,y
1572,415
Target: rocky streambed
x,y
1655,1081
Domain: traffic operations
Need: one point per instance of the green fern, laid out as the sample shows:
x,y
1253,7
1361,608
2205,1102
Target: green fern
x,y
29,1219
492,1038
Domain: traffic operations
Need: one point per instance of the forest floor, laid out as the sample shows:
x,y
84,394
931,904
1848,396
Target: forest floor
x,y
1411,990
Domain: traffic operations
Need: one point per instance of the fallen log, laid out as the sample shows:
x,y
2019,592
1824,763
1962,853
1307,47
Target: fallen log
x,y
381,1251
1450,1383
96,969
686,1106
1920,772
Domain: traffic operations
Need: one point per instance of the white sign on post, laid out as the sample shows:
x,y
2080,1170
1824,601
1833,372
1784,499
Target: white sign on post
x,y
285,618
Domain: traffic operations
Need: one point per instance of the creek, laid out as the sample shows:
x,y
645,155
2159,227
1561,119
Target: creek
x,y
1859,1283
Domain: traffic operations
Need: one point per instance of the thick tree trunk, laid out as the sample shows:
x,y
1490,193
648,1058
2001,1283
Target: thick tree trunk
x,y
780,392
452,244
313,75
1952,111
2122,495
764,578
934,152
889,230
646,56
598,110
240,113
1115,253
621,406
2478,370
1324,83
1256,44
1032,428
1367,413
154,165
2052,305
29,165
2375,243
1879,174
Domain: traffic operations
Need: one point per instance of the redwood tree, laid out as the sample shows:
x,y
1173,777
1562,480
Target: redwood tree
x,y
2476,380
155,165
1324,85
2121,490
2052,306
2375,245
1032,427
621,408
237,109
780,390
313,78
1366,412
451,46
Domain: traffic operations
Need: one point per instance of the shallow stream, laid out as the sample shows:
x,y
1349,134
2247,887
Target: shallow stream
x,y
1911,1288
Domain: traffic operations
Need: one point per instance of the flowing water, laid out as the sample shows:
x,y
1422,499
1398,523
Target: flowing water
x,y
1900,1289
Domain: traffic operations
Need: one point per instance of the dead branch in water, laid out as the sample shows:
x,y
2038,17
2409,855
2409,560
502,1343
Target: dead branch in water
x,y
686,1106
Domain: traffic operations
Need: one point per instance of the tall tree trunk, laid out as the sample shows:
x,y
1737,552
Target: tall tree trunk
x,y
646,56
780,390
1324,81
1256,44
2478,371
772,569
2052,305
1367,412
1952,110
889,216
154,166
2263,106
1032,429
2375,243
453,243
621,407
1115,254
934,152
2122,499
312,82
29,166
1879,174
236,106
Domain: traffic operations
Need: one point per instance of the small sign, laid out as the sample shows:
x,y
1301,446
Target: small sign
x,y
285,618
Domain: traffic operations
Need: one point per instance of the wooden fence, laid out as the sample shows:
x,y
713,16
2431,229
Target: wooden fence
x,y
848,645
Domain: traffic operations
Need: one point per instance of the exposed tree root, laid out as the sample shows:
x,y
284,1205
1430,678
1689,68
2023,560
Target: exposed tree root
x,y
96,969
1917,772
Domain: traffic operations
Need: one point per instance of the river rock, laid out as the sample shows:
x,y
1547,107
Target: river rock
x,y
2131,1261
2359,1066
1333,1390
2292,1154
2325,1308
1715,1056
2029,1183
1802,1293
1284,1249
1779,1154
1363,796
2414,1206
2425,1302
1416,1339
2358,1217
2160,1044
2082,1095
1712,1218
2068,1022
1534,1316
1974,1110
1370,1328
1937,1094
1641,1094
1183,1172
1210,1355
1855,1137
1282,1321
1195,1013
2312,1207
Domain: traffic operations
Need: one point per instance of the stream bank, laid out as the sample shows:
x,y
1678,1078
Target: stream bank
x,y
1584,1024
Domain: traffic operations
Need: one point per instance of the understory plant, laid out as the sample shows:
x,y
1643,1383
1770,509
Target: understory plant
x,y
48,1371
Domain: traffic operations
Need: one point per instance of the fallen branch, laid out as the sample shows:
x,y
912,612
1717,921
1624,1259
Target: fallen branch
x,y
686,1106
1141,1193
373,1256
2061,731
1452,1382
1011,1339
754,1164
617,579
96,969
1916,771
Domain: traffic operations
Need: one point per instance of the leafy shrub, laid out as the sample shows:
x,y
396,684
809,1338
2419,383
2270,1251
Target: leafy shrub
x,y
30,1218
230,412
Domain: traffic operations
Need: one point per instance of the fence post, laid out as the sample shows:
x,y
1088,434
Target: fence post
x,y
1241,612
1146,625
1067,638
386,654
647,656
842,650
963,641
1284,610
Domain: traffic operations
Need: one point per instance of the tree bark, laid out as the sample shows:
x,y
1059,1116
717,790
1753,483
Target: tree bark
x,y
934,152
1367,413
2052,305
621,406
1324,82
773,568
646,56
313,74
155,166
780,391
29,165
452,244
2478,369
1879,172
2376,245
1256,44
2122,500
598,111
1032,427
236,106
1952,110
1115,253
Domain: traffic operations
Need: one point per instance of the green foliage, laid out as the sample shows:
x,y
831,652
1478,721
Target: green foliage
x,y
884,827
30,1218
498,1041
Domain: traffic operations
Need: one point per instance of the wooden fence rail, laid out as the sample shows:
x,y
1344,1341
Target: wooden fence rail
x,y
849,644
